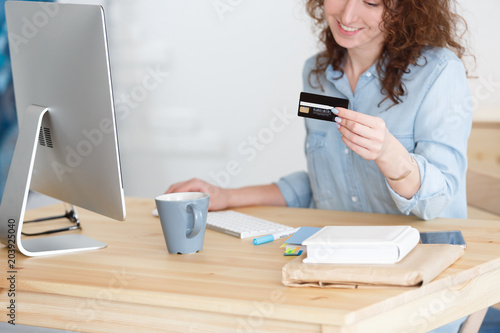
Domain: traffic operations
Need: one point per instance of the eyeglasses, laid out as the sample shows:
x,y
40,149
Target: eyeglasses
x,y
70,214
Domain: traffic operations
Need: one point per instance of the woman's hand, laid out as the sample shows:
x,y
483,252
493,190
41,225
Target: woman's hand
x,y
366,135
369,137
219,197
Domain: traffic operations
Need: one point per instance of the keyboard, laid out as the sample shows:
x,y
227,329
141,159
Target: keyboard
x,y
242,225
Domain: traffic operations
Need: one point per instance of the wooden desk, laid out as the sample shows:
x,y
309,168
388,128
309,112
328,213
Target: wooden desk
x,y
134,285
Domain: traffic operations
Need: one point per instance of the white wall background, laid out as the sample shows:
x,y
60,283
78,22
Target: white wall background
x,y
225,112
221,105
483,37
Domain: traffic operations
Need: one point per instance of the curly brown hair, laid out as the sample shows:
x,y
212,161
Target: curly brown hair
x,y
409,26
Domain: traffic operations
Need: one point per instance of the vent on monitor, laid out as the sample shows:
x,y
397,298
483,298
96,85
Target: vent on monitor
x,y
44,137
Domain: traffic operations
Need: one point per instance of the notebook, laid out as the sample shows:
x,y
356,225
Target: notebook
x,y
293,245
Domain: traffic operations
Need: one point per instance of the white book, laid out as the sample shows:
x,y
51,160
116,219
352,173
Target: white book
x,y
361,244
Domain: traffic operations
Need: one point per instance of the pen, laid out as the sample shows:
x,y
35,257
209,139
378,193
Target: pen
x,y
272,237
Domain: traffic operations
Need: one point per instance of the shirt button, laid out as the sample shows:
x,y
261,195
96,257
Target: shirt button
x,y
368,74
354,198
346,151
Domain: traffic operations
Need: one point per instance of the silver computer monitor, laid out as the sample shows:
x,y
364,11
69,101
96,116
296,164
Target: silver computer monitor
x,y
67,146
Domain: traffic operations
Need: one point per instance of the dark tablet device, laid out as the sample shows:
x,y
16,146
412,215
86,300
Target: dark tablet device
x,y
443,237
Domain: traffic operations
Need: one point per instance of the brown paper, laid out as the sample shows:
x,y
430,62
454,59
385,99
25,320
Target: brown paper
x,y
419,267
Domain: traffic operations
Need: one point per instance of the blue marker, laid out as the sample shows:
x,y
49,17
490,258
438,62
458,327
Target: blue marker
x,y
273,237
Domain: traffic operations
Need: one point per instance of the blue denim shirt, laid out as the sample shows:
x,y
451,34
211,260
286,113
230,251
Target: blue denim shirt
x,y
433,123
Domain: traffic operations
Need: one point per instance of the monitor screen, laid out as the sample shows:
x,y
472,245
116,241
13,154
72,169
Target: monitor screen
x,y
64,102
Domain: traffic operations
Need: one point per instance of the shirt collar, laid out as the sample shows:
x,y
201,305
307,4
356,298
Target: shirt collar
x,y
332,75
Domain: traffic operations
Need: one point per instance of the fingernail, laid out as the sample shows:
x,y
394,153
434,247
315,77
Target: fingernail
x,y
338,125
338,119
334,110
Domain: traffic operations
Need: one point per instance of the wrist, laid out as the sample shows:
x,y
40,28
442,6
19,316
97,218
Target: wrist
x,y
255,195
232,198
392,151
397,163
412,171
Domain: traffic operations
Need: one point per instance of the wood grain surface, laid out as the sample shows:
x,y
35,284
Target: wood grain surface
x,y
135,285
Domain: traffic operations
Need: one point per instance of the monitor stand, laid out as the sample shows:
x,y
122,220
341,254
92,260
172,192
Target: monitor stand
x,y
15,197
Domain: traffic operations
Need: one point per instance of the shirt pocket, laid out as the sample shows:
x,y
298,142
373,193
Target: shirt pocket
x,y
319,166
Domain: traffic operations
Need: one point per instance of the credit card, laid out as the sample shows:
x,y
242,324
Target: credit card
x,y
320,106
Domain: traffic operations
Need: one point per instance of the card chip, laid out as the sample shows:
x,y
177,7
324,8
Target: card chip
x,y
304,109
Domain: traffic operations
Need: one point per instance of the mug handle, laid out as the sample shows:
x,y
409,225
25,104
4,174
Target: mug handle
x,y
198,217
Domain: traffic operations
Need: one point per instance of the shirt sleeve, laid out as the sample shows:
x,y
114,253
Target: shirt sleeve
x,y
296,189
441,130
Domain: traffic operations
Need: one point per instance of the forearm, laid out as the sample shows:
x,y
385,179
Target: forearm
x,y
267,195
400,169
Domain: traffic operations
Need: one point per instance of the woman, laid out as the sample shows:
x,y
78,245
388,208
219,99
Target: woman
x,y
400,148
